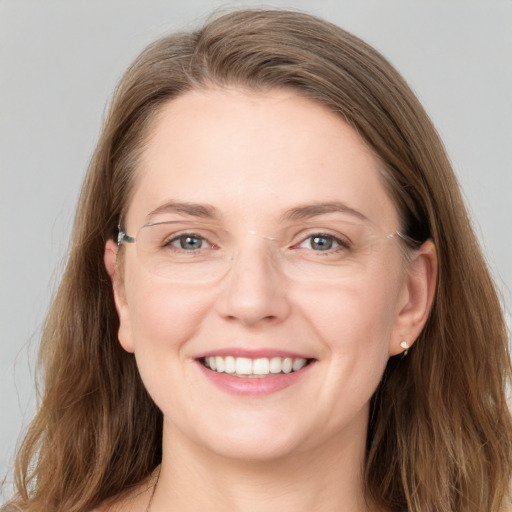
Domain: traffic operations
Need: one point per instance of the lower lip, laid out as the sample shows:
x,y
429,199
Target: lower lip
x,y
254,386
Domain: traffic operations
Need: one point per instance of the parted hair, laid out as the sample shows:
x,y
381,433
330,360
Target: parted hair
x,y
440,430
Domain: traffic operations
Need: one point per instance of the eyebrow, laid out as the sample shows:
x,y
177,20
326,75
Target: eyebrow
x,y
316,209
296,213
192,209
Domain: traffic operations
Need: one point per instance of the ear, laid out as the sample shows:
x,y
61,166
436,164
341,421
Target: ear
x,y
111,264
416,298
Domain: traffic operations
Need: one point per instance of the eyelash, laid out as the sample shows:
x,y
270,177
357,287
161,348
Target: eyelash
x,y
175,238
342,244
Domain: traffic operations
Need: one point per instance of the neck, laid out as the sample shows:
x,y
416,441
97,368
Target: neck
x,y
193,478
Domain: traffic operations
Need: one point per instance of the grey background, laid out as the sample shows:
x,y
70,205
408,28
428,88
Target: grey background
x,y
60,60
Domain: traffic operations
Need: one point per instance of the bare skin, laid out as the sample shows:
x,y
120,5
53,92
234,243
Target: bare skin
x,y
252,159
133,500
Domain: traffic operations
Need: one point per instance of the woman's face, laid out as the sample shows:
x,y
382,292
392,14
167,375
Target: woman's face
x,y
277,253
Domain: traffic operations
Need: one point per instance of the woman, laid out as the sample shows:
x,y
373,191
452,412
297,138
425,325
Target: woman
x,y
274,299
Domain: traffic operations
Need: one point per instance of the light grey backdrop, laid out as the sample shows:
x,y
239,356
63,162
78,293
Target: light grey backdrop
x,y
60,60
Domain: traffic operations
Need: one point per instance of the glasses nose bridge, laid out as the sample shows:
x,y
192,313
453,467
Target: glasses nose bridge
x,y
253,251
253,289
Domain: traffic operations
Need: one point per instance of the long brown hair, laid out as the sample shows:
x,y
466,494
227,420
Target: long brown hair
x,y
440,432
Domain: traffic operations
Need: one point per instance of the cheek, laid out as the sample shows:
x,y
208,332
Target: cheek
x,y
163,322
355,320
352,313
162,315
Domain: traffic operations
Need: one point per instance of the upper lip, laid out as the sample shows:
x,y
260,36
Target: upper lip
x,y
252,353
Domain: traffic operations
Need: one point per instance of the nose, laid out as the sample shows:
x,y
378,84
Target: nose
x,y
254,291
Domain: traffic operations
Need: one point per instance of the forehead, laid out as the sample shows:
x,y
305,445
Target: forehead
x,y
256,154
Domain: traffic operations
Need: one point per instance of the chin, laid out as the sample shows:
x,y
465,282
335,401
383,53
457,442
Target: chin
x,y
254,450
257,441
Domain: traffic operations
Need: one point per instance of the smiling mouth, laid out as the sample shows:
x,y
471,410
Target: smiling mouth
x,y
254,368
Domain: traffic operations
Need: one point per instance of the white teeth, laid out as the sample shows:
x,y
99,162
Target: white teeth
x,y
229,364
219,362
275,365
261,366
244,366
298,364
287,365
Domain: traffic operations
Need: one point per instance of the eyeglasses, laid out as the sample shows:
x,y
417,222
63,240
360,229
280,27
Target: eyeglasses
x,y
187,251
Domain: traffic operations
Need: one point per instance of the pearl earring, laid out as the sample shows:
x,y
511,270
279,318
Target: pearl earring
x,y
405,346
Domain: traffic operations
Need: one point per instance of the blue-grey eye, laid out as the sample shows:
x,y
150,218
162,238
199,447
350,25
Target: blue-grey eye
x,y
189,242
320,243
